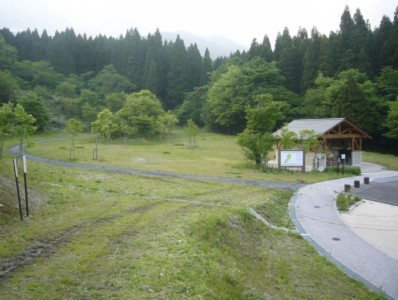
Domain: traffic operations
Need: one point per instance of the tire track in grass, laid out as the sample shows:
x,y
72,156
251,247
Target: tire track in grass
x,y
46,248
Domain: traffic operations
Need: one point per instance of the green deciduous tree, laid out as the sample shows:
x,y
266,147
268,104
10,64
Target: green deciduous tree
x,y
256,146
89,105
104,126
66,89
352,102
191,130
15,122
234,88
141,113
226,102
167,122
309,140
257,139
6,120
8,87
34,105
387,83
115,101
74,127
265,114
392,120
351,95
22,125
110,81
192,106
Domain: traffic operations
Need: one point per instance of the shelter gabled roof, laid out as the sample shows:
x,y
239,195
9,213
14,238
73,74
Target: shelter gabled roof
x,y
324,126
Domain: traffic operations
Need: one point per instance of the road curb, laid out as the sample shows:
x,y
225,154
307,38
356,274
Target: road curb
x,y
293,204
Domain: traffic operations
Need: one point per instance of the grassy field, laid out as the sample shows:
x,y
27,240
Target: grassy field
x,y
98,235
387,160
214,155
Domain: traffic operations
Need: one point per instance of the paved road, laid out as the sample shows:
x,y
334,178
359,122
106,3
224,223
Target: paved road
x,y
383,190
314,213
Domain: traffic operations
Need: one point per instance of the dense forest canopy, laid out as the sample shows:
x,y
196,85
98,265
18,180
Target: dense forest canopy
x,y
351,73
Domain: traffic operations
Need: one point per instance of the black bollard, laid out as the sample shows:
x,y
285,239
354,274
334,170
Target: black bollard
x,y
357,184
347,188
366,180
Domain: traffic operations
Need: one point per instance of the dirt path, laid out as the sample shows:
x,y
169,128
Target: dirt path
x,y
268,183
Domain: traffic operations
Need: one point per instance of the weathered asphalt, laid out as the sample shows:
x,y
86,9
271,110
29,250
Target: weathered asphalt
x,y
314,213
383,190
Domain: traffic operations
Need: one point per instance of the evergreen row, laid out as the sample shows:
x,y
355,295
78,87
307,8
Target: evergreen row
x,y
167,68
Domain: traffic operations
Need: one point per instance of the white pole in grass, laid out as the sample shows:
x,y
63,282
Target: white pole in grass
x,y
16,180
25,171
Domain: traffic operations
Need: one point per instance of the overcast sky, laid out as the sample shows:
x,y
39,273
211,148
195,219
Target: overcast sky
x,y
240,21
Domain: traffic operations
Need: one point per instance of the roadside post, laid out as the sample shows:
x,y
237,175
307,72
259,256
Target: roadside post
x,y
25,171
343,159
16,180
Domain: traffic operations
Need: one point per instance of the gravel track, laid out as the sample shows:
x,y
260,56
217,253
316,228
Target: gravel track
x,y
253,182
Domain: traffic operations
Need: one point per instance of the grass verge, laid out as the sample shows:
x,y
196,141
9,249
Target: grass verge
x,y
99,235
388,160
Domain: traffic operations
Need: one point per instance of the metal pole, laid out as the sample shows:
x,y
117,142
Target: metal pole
x,y
25,171
16,180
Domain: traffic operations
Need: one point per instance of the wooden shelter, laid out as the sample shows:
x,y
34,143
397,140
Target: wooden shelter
x,y
332,131
340,138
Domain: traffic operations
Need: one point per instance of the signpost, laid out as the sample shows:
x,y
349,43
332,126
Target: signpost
x,y
26,184
343,160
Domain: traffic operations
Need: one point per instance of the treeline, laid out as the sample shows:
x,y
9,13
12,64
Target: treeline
x,y
351,73
355,46
167,68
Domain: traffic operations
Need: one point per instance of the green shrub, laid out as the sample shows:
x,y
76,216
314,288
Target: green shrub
x,y
344,201
347,170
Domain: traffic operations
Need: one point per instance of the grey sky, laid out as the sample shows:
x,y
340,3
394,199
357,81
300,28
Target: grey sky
x,y
240,21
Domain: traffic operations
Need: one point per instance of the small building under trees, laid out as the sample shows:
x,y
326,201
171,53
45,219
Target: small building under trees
x,y
325,142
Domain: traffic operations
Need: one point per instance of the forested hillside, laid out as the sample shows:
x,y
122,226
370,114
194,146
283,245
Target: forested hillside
x,y
351,72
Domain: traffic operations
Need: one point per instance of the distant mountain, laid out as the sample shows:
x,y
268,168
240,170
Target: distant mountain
x,y
217,45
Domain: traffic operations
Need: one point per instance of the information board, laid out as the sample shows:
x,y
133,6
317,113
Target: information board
x,y
291,158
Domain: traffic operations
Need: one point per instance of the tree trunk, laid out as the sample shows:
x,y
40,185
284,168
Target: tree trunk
x,y
21,147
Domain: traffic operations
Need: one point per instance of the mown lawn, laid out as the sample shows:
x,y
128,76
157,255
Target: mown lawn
x,y
98,235
213,155
388,160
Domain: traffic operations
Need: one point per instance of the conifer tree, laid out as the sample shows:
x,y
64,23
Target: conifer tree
x,y
206,69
